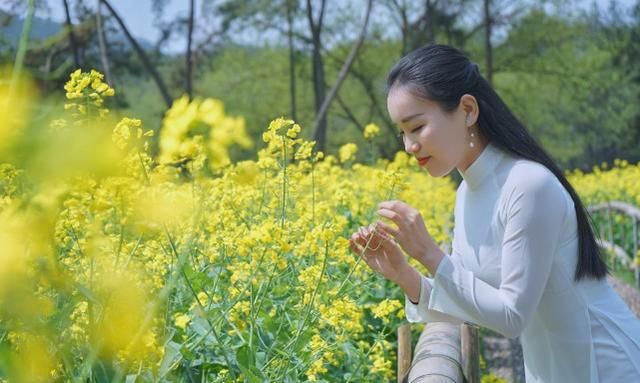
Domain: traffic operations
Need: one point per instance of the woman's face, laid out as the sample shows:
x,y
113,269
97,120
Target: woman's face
x,y
439,140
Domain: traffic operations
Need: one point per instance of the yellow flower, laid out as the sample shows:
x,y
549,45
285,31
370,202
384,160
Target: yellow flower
x,y
278,124
181,320
304,150
371,130
347,151
293,131
386,308
203,299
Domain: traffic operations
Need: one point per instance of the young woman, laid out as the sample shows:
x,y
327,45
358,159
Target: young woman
x,y
524,260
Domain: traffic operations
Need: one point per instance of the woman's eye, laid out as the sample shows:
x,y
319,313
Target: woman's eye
x,y
416,129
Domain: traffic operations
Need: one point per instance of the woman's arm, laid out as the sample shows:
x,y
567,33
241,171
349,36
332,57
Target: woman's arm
x,y
535,215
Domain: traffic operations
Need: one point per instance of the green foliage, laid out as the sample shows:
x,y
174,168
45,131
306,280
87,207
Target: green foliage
x,y
559,78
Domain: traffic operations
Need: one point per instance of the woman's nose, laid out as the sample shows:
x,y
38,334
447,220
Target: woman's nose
x,y
411,146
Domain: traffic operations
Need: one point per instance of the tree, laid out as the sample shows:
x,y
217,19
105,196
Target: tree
x,y
488,48
559,77
189,63
318,134
104,58
292,57
319,91
143,56
72,38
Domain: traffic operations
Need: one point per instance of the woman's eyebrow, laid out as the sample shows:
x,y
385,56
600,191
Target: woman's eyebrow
x,y
411,117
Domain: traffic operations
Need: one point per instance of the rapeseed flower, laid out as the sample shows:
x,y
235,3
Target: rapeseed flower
x,y
347,151
371,131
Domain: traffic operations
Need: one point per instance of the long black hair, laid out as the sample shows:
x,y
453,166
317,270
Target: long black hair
x,y
443,74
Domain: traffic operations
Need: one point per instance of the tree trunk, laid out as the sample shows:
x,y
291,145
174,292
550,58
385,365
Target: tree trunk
x,y
319,133
343,73
292,61
429,20
487,41
405,29
189,79
103,45
72,38
143,56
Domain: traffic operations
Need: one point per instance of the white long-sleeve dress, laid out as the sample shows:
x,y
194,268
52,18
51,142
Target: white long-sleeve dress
x,y
512,268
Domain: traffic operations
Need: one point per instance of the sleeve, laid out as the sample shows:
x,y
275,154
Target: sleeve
x,y
534,217
420,311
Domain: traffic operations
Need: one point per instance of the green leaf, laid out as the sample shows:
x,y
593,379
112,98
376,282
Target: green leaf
x,y
246,362
87,293
171,354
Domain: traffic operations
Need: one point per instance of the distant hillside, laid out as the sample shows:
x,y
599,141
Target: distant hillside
x,y
40,28
11,28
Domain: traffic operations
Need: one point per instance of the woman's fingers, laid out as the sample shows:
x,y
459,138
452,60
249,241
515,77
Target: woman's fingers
x,y
399,212
357,248
396,206
392,215
369,260
387,230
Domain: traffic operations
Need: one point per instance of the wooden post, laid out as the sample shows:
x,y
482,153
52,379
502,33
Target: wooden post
x,y
634,235
470,342
404,351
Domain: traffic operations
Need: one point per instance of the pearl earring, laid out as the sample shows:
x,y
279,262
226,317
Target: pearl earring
x,y
473,135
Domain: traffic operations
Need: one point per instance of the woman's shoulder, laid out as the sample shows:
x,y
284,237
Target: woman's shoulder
x,y
524,174
527,181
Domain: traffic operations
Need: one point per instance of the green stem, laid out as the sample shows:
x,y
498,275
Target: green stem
x,y
344,282
294,342
380,336
284,181
144,169
22,49
313,194
202,309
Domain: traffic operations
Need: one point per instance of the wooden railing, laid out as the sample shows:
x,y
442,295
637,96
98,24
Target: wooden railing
x,y
446,352
608,231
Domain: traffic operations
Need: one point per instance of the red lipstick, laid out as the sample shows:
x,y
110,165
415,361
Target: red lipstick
x,y
423,160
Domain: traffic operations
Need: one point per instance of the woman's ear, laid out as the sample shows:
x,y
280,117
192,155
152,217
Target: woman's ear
x,y
469,106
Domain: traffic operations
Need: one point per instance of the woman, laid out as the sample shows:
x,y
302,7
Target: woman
x,y
524,259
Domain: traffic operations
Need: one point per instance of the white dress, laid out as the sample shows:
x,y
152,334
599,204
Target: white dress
x,y
512,270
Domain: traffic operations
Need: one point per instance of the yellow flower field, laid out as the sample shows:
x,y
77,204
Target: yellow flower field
x,y
117,265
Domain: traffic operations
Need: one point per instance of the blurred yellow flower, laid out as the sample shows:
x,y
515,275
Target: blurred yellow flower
x,y
371,131
181,320
347,151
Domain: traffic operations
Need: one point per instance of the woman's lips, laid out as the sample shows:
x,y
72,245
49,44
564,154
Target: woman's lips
x,y
422,161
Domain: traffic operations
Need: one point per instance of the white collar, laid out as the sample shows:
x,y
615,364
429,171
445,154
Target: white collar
x,y
482,166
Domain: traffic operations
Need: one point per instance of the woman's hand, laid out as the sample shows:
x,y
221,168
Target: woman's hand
x,y
411,234
384,256
380,252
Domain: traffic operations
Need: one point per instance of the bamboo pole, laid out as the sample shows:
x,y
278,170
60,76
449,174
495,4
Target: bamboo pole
x,y
623,207
404,351
470,345
634,235
438,356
